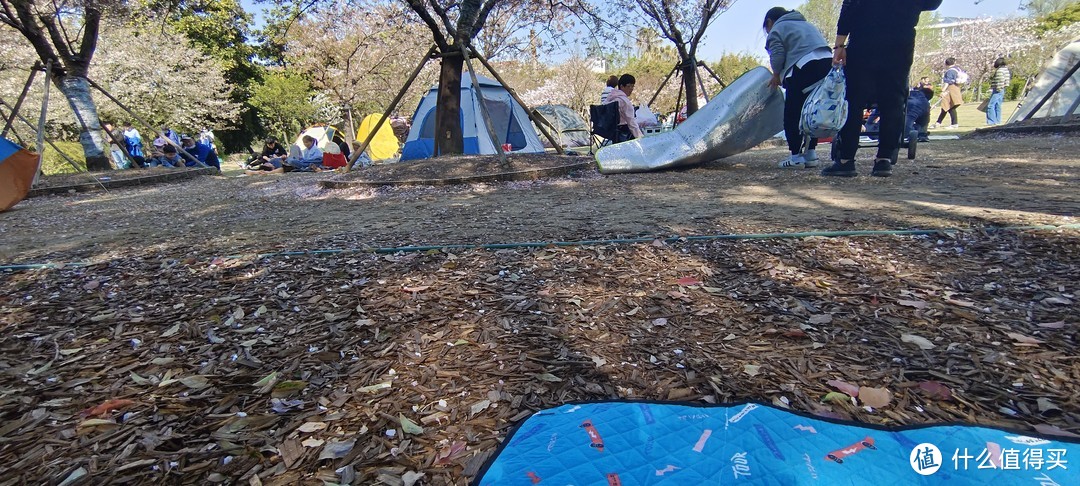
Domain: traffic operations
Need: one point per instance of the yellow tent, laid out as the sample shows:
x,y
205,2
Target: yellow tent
x,y
384,145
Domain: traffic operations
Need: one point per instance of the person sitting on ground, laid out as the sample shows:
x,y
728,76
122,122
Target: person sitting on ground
x,y
156,148
134,143
118,157
800,58
628,128
271,150
204,153
918,113
171,135
612,83
308,159
191,158
206,148
168,159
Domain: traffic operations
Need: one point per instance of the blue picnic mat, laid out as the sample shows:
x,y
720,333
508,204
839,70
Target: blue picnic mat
x,y
632,443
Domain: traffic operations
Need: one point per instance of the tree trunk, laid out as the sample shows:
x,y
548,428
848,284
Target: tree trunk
x,y
77,92
448,133
689,76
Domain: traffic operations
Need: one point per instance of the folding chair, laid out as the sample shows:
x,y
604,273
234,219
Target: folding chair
x,y
605,123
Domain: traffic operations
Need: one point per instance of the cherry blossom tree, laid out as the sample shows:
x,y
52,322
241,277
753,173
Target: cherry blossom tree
x,y
684,24
64,36
357,60
976,44
184,89
573,84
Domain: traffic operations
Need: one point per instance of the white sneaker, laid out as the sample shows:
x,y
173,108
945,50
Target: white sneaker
x,y
794,162
810,159
934,126
952,127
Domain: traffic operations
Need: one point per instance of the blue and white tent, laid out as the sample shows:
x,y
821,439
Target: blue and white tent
x,y
511,122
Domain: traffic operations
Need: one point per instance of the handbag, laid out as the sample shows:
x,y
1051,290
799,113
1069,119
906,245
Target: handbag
x,y
826,109
983,106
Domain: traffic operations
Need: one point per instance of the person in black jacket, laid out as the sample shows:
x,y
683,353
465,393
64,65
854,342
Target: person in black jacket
x,y
272,150
875,41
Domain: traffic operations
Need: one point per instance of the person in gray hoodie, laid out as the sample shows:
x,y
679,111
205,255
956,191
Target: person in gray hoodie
x,y
800,58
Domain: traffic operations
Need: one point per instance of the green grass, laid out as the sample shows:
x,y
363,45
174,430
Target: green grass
x,y
970,117
55,163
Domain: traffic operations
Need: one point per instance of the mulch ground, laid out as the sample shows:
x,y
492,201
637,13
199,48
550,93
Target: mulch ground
x,y
378,369
107,178
165,363
459,167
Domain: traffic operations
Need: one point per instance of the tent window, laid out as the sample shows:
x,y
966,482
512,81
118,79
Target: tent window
x,y
427,130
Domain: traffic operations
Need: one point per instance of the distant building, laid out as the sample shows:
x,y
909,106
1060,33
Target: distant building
x,y
597,65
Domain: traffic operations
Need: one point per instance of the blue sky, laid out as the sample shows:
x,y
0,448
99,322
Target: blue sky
x,y
739,29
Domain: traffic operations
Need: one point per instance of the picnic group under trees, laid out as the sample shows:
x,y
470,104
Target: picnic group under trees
x,y
169,149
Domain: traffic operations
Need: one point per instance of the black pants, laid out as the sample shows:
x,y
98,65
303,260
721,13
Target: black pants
x,y
876,73
795,97
952,115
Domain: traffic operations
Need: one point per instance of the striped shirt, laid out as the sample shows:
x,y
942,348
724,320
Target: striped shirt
x,y
1000,80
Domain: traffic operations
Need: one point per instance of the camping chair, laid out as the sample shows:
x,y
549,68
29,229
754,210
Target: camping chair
x,y
605,122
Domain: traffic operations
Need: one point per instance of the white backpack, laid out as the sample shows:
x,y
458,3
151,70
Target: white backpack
x,y
826,109
961,76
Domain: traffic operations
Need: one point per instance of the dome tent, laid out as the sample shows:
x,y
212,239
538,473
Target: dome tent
x,y
385,143
1056,92
326,136
18,167
511,122
569,127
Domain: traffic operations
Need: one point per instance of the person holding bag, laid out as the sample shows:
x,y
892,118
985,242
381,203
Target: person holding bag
x,y
999,82
951,95
800,58
875,41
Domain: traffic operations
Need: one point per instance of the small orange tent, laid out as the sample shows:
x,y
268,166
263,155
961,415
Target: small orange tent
x,y
17,169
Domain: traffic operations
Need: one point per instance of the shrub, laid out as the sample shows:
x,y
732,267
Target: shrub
x,y
1015,89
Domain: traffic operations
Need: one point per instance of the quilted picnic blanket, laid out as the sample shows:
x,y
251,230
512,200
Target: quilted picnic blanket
x,y
632,443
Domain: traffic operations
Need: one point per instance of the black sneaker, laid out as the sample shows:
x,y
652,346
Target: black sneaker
x,y
882,168
840,169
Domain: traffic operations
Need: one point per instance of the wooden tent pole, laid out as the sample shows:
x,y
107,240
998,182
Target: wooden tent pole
x,y
678,106
710,71
483,106
30,124
662,84
558,147
145,124
13,132
22,96
390,108
41,124
701,83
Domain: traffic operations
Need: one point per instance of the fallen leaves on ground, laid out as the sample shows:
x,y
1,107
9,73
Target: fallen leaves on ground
x,y
412,368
